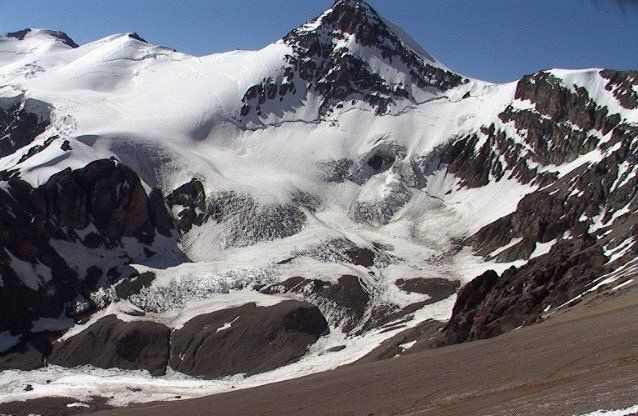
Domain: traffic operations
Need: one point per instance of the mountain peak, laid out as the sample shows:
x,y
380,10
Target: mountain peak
x,y
356,4
350,54
357,18
30,32
358,9
356,22
351,17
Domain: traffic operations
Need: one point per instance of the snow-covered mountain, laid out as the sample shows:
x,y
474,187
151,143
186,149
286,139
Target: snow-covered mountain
x,y
278,212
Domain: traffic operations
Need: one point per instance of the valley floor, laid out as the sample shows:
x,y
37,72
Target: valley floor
x,y
575,363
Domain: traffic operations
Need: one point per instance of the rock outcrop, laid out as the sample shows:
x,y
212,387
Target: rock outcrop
x,y
343,302
21,121
248,339
105,193
558,129
63,37
107,199
112,343
491,304
436,288
192,200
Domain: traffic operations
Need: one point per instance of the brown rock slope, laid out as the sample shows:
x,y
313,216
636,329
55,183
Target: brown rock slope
x,y
247,339
576,362
113,343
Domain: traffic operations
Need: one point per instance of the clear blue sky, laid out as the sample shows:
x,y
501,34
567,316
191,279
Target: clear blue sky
x,y
496,40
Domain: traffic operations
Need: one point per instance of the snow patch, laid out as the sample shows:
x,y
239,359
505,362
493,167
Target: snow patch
x,y
542,248
619,412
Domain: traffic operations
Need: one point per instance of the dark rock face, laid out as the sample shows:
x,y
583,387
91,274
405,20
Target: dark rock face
x,y
338,75
491,305
23,240
361,256
437,288
105,192
111,343
37,281
561,103
192,198
247,339
469,298
37,149
572,204
25,357
137,37
557,131
160,216
344,302
622,84
579,213
20,34
127,287
66,39
29,354
584,214
21,121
